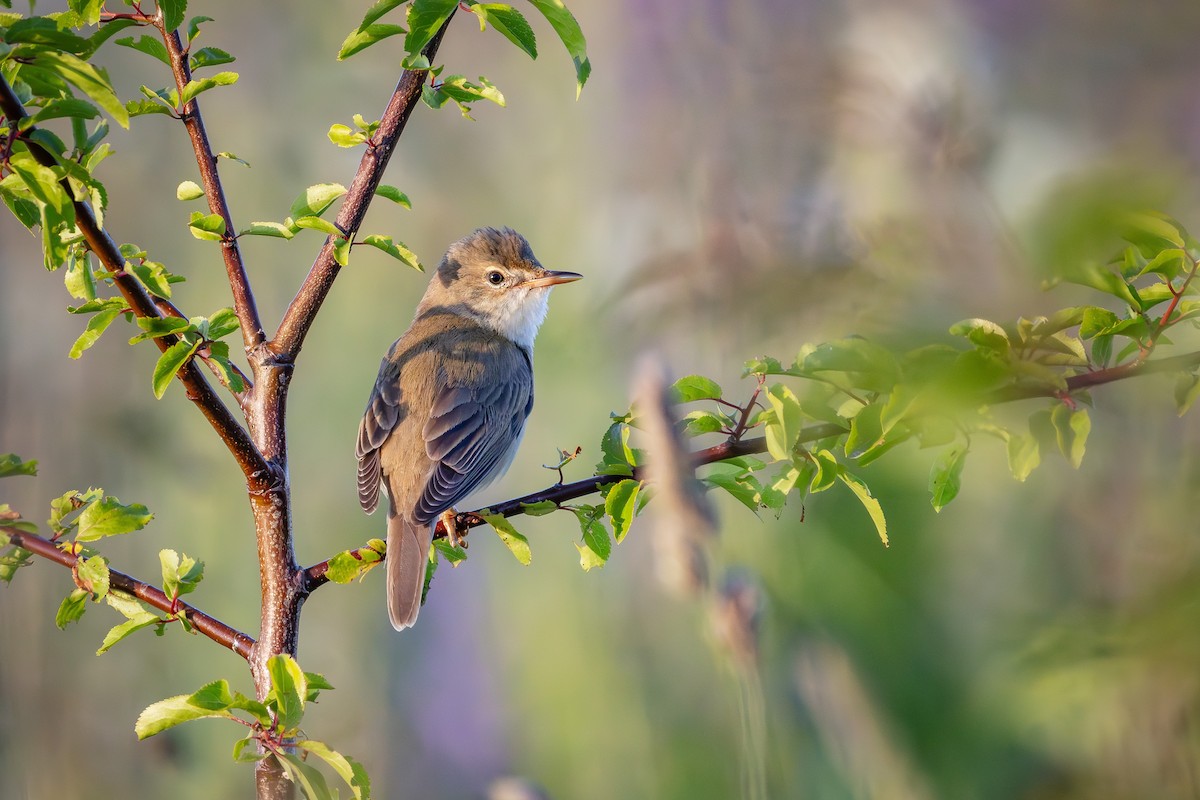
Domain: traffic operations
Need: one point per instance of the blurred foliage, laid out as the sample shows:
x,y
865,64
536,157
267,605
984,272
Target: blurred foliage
x,y
924,164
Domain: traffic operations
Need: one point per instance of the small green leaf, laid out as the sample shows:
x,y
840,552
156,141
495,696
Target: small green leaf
x,y
695,387
246,750
317,224
699,422
57,109
568,30
347,769
866,430
107,516
11,464
341,251
424,19
945,476
540,508
154,327
275,229
1071,427
288,689
232,157
171,361
91,80
118,632
210,57
148,45
1187,389
307,777
193,27
195,87
189,190
207,227
1023,455
509,22
393,194
872,505
96,326
180,574
314,200
517,544
620,504
363,37
597,546
79,279
153,276
397,250
173,12
345,136
982,333
71,609
158,717
455,555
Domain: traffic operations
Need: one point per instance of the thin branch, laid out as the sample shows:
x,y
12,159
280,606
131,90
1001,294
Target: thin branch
x,y
199,390
239,283
298,318
316,575
214,629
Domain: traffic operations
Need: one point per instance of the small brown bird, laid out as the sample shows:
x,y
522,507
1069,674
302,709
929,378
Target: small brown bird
x,y
449,406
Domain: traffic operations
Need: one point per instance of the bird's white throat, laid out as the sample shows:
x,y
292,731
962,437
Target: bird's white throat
x,y
520,314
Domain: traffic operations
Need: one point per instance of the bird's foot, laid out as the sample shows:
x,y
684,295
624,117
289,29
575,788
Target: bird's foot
x,y
454,533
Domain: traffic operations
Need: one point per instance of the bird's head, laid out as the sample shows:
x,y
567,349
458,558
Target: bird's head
x,y
493,277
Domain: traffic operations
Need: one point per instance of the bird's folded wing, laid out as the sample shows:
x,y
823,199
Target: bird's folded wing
x,y
381,416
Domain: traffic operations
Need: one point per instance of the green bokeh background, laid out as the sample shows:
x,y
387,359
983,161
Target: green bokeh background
x,y
737,179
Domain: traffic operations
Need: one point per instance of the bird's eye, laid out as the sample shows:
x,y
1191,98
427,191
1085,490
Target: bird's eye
x,y
495,277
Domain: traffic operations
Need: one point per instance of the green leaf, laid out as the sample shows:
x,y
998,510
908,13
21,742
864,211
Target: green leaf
x,y
393,194
1023,455
118,632
173,12
307,777
454,555
856,485
171,361
828,470
739,483
425,17
982,333
193,27
597,546
90,80
71,608
345,136
107,516
341,251
1097,321
210,57
222,323
189,190
58,109
79,278
207,227
1071,427
180,574
783,427
363,37
517,544
866,430
148,45
275,229
347,769
96,326
509,22
153,276
288,689
695,387
945,476
246,750
154,327
93,575
699,422
41,181
540,508
195,87
620,504
11,464
397,250
568,30
314,200
158,717
317,224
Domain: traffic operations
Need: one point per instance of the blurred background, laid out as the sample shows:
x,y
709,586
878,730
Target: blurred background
x,y
737,179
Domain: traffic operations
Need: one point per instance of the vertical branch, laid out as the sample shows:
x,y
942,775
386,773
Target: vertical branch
x,y
239,282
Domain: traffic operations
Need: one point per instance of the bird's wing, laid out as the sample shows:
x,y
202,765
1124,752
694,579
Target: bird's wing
x,y
471,429
381,416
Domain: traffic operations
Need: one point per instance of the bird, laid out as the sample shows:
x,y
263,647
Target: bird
x,y
448,408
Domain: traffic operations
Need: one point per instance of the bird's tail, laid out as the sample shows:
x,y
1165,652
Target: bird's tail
x,y
407,557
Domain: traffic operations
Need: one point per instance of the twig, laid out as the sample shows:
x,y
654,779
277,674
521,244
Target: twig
x,y
243,299
214,629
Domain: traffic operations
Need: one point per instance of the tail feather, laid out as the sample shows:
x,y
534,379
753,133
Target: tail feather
x,y
407,557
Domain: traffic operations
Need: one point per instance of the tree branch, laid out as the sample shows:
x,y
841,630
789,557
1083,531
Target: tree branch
x,y
198,389
214,629
239,282
298,318
1099,377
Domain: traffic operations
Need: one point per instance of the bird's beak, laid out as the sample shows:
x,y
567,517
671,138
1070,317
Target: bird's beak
x,y
551,278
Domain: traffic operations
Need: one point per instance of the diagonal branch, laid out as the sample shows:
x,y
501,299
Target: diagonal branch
x,y
214,629
198,389
239,282
303,309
